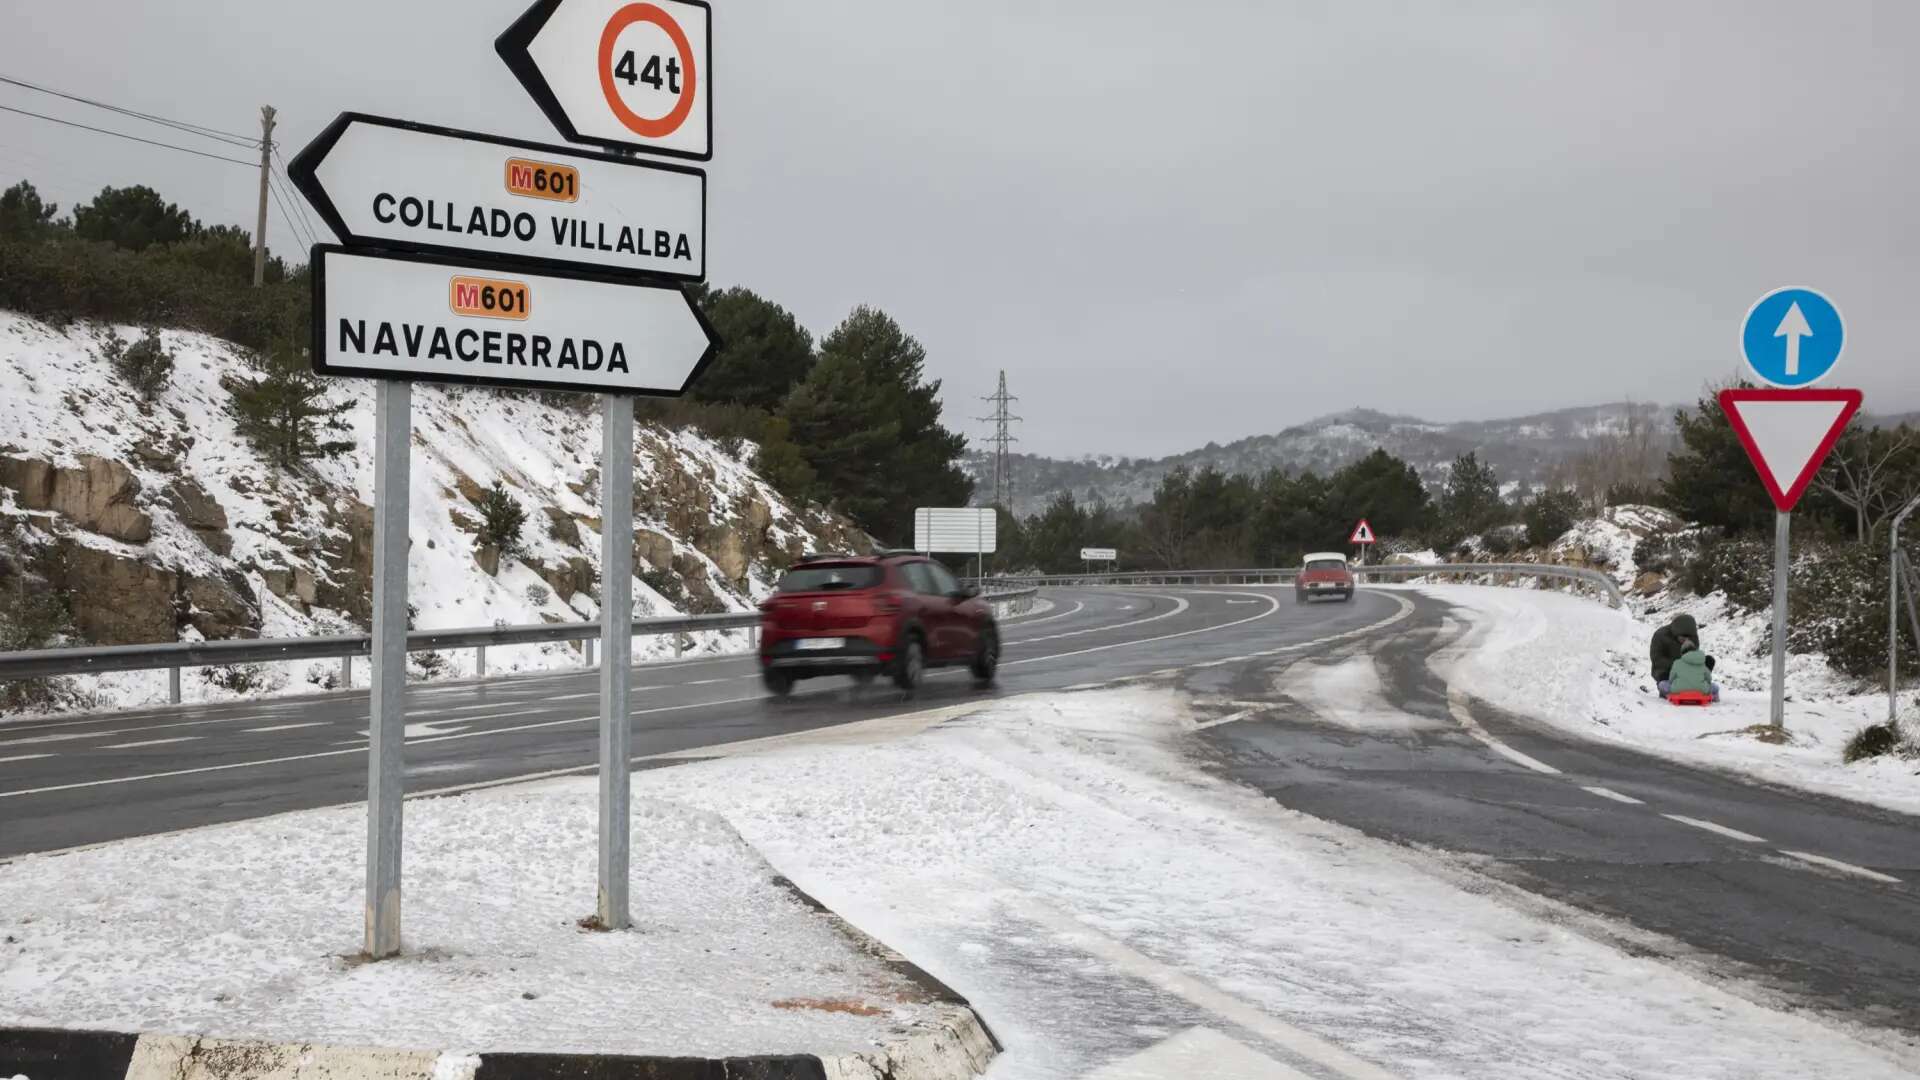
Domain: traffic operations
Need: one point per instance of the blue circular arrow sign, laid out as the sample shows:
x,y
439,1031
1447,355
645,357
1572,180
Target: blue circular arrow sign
x,y
1792,337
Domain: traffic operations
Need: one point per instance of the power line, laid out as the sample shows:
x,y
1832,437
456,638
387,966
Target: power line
x,y
134,138
293,226
298,204
181,125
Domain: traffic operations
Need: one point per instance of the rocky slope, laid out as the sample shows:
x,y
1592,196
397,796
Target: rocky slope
x,y
157,521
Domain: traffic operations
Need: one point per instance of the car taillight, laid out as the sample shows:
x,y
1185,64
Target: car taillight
x,y
886,603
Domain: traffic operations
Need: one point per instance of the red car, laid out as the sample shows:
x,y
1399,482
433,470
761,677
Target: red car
x,y
869,615
1323,573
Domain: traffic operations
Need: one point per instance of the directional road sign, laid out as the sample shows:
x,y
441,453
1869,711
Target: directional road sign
x,y
404,316
1362,533
618,73
968,530
416,187
1788,434
1099,554
1792,337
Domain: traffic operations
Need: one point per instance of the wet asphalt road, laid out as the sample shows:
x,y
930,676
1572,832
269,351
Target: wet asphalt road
x,y
1714,874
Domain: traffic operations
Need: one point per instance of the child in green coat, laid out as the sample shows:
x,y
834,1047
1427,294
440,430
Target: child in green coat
x,y
1691,673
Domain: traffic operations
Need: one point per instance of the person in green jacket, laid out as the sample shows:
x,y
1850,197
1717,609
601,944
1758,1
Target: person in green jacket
x,y
1691,673
1680,639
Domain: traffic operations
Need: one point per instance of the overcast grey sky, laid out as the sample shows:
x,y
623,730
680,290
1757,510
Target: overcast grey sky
x,y
1169,223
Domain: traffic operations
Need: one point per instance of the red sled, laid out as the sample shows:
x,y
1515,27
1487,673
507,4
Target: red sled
x,y
1689,697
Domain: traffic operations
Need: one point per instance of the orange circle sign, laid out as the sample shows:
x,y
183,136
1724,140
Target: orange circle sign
x,y
640,125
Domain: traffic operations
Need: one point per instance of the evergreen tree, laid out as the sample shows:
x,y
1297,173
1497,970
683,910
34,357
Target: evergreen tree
x,y
134,218
502,520
1381,488
145,365
1551,515
285,413
1471,503
868,423
1709,479
23,215
764,351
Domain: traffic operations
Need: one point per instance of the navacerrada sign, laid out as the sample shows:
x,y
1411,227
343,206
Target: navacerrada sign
x,y
464,321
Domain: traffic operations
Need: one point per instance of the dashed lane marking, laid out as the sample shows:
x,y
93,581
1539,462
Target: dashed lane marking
x,y
23,757
149,742
282,727
1230,717
1609,793
1843,867
1716,827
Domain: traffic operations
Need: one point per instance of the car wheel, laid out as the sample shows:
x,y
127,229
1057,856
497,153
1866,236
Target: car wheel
x,y
1347,598
779,683
909,665
986,659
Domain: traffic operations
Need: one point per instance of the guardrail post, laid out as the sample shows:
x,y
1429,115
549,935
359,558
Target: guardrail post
x,y
679,645
346,672
480,662
587,644
173,686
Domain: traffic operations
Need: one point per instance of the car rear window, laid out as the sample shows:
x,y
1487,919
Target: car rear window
x,y
826,578
1326,564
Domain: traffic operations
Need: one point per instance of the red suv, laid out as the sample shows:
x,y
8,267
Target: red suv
x,y
867,615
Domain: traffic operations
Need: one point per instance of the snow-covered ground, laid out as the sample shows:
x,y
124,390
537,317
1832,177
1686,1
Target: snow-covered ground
x,y
1570,662
249,930
1111,908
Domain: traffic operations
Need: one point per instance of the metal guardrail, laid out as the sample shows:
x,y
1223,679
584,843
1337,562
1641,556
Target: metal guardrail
x,y
1286,575
93,660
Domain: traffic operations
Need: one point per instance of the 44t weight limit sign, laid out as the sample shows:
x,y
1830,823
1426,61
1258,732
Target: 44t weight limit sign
x,y
623,73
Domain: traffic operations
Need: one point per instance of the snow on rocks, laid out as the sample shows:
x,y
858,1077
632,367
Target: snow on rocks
x,y
1579,666
288,553
250,931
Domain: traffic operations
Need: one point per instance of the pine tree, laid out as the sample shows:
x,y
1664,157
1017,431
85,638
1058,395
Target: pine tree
x,y
502,520
1472,503
868,423
764,351
285,413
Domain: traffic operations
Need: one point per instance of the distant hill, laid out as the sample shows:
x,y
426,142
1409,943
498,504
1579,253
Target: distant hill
x,y
1524,451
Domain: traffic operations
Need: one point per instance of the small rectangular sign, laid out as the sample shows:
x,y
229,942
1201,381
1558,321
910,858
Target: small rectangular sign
x,y
414,187
404,316
1099,554
959,530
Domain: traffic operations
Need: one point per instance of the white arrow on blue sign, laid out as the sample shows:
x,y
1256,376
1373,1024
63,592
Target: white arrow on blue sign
x,y
1792,337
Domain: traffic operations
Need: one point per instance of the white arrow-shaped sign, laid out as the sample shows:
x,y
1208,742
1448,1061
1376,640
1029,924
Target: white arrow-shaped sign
x,y
1793,327
619,73
402,316
416,187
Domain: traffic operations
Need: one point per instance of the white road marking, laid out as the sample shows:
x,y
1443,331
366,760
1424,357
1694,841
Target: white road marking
x,y
1716,827
1242,601
1180,604
1198,1052
1022,624
1230,717
149,742
64,737
1843,867
1079,935
23,757
283,727
1609,793
1457,705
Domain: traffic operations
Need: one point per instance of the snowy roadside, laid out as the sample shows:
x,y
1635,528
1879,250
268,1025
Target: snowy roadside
x,y
1061,862
1581,667
249,930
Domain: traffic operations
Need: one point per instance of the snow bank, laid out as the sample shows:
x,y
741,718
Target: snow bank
x,y
975,847
250,930
1581,667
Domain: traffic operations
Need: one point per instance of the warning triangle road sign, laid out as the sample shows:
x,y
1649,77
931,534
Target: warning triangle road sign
x,y
1788,434
1362,533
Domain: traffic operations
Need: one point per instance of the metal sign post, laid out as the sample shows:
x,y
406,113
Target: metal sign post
x,y
1894,557
616,659
386,728
1791,338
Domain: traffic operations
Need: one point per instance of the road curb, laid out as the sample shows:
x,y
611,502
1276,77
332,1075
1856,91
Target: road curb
x,y
955,1045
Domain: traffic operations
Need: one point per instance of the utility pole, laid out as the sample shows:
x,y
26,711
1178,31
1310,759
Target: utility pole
x,y
260,222
1002,464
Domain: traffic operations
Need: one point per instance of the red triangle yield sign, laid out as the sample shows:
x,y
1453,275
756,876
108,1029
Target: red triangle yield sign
x,y
1788,434
1362,533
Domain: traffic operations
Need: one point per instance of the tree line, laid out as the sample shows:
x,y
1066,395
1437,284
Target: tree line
x,y
852,422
